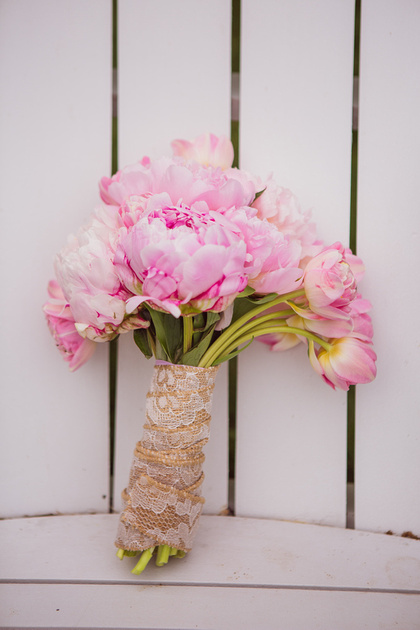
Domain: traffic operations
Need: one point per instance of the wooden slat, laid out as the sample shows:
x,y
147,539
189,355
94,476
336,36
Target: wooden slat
x,y
174,82
229,551
55,144
388,411
63,572
295,121
167,607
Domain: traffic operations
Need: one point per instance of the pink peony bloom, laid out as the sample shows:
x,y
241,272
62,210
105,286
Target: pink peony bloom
x,y
280,207
207,149
272,263
179,258
72,346
184,182
86,273
130,181
349,361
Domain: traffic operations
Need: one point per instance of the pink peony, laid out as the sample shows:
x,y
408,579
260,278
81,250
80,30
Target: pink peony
x,y
179,258
349,361
185,183
86,273
281,208
72,346
272,259
207,149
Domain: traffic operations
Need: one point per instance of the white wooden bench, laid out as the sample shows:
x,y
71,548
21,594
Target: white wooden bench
x,y
286,559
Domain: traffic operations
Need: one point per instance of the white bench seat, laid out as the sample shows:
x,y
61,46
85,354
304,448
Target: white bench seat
x,y
62,572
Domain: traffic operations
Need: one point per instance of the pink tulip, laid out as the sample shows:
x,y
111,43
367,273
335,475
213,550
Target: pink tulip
x,y
207,149
280,342
349,361
328,328
330,285
75,350
361,321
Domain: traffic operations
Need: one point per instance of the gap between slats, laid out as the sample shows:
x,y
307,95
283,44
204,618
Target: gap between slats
x,y
235,122
276,587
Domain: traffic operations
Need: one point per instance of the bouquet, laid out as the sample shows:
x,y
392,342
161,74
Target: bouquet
x,y
197,259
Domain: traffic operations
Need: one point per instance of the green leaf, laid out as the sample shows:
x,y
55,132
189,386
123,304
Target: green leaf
x,y
258,194
246,292
168,332
199,322
202,324
193,356
211,319
142,341
264,298
231,355
241,306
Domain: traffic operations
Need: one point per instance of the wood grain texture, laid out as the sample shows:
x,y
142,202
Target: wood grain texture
x,y
241,573
295,121
228,551
164,607
388,410
55,127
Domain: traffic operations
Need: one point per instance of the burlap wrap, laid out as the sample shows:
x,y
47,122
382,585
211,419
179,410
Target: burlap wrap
x,y
162,503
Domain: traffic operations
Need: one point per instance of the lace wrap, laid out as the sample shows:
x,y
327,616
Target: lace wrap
x,y
162,503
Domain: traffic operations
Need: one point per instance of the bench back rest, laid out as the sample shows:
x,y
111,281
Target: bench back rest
x,y
295,120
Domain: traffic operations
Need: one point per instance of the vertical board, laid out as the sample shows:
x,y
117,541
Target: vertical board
x,y
388,412
55,125
295,121
173,82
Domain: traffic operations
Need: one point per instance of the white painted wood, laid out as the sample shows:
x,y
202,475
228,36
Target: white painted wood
x,y
388,411
229,551
167,607
134,376
174,73
63,572
290,443
174,82
55,144
295,121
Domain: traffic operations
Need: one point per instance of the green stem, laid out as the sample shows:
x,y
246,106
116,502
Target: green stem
x,y
120,554
144,560
267,329
188,333
264,320
162,555
215,349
